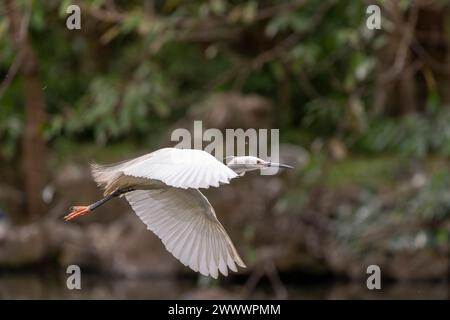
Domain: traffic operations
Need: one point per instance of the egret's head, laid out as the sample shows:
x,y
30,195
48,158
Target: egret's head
x,y
248,163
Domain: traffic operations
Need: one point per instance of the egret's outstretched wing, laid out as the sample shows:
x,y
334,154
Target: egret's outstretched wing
x,y
187,225
180,168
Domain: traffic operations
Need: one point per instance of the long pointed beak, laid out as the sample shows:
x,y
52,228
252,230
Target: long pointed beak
x,y
279,165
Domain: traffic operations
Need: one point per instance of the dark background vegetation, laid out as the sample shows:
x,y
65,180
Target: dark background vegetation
x,y
363,115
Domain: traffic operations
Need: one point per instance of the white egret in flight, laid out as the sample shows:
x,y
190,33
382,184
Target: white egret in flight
x,y
162,187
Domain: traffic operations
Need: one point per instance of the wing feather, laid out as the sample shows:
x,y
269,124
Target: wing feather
x,y
201,261
186,223
181,168
193,259
186,251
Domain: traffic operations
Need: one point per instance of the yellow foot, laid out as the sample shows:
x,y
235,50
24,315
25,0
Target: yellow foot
x,y
76,212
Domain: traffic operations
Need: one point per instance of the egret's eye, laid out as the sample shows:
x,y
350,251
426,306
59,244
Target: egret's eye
x,y
258,162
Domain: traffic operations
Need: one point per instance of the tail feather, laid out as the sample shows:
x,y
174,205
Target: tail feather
x,y
106,175
101,174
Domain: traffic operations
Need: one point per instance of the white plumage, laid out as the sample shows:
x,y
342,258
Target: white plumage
x,y
182,168
186,223
169,203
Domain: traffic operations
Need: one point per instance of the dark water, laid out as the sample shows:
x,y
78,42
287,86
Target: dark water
x,y
42,286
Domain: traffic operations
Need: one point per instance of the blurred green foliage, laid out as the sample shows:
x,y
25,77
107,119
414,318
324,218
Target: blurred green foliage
x,y
134,74
415,135
131,72
405,220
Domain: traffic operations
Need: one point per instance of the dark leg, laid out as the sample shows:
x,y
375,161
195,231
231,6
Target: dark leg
x,y
79,211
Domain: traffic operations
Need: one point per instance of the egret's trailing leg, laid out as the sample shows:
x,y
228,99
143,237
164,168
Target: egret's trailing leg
x,y
79,211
